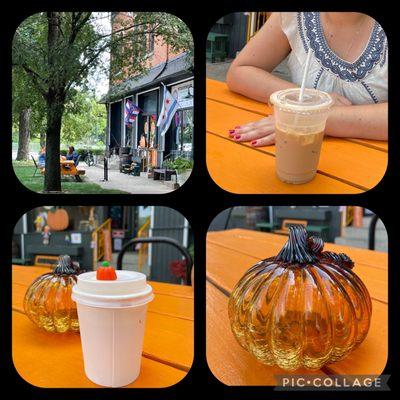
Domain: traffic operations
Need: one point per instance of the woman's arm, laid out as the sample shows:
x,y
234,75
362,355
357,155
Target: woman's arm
x,y
368,121
250,73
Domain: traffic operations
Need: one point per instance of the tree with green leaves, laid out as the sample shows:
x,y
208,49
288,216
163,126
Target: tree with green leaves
x,y
58,50
84,120
28,113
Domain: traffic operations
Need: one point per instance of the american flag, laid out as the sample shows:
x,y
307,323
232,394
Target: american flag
x,y
131,112
168,110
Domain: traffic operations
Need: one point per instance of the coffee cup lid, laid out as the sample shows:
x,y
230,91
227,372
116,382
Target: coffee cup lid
x,y
313,100
130,289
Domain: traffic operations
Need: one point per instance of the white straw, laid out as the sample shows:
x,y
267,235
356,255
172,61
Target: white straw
x,y
305,73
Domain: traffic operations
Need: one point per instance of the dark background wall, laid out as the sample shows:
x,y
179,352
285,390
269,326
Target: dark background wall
x,y
234,25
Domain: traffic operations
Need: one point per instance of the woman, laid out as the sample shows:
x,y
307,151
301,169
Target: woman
x,y
72,155
349,60
42,157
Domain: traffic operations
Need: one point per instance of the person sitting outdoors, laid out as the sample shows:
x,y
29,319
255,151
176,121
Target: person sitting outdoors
x,y
42,157
72,154
349,60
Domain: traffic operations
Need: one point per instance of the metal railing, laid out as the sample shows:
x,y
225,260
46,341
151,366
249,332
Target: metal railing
x,y
99,241
143,252
255,20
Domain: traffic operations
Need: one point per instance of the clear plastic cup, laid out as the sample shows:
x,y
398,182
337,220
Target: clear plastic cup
x,y
112,316
299,131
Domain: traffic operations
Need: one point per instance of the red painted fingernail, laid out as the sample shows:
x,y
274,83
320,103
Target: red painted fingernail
x,y
231,131
237,137
254,142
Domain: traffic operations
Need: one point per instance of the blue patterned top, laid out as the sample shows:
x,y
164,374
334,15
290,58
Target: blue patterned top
x,y
363,81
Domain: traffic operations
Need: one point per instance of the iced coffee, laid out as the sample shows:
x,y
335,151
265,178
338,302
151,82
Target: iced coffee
x,y
299,131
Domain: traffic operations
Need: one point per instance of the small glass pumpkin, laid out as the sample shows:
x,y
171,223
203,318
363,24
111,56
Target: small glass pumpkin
x,y
303,308
48,300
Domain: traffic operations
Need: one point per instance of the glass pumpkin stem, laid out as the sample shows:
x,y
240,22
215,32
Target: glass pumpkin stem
x,y
342,260
297,249
65,266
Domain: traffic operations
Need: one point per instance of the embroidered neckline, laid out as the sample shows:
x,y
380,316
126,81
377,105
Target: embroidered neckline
x,y
312,35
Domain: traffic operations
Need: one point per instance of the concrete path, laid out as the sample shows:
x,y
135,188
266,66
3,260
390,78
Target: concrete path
x,y
218,70
127,183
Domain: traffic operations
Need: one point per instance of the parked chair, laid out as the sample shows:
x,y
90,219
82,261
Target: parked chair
x,y
161,239
37,167
371,232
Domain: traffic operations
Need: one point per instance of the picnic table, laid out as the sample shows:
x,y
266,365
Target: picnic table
x,y
346,165
68,168
55,360
229,254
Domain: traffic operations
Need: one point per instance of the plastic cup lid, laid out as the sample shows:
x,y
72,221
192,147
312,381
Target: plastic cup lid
x,y
313,100
129,289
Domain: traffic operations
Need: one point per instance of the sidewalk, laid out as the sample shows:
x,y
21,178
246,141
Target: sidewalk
x,y
218,70
127,183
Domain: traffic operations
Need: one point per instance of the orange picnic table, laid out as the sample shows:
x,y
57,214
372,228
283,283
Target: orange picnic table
x,y
55,360
346,165
229,254
68,168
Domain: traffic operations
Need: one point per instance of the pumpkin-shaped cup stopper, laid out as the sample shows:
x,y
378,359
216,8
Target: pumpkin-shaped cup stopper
x,y
48,300
302,308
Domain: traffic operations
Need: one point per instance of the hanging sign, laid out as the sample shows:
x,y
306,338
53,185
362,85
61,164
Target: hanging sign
x,y
184,94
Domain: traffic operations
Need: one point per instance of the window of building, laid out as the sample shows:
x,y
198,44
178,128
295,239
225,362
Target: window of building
x,y
150,44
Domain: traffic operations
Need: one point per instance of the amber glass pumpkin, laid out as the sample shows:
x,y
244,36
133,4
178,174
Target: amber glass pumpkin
x,y
48,300
304,307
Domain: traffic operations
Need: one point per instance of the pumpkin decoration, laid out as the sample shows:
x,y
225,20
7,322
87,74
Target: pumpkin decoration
x,y
304,307
48,300
58,219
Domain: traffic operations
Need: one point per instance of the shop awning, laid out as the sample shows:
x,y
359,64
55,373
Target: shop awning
x,y
157,74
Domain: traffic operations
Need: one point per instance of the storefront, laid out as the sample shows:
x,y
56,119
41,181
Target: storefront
x,y
142,138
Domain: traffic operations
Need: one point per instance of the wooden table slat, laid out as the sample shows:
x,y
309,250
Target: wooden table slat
x,y
218,91
55,361
168,344
263,245
251,171
162,304
226,278
336,154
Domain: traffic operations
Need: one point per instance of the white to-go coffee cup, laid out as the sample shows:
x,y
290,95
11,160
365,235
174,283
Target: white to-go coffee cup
x,y
112,317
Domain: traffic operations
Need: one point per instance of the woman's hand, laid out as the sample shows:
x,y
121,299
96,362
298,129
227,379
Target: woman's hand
x,y
259,133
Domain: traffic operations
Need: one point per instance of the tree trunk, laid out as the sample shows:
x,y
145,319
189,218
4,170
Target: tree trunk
x,y
55,106
52,177
23,134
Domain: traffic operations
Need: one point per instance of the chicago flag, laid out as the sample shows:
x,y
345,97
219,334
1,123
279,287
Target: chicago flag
x,y
168,110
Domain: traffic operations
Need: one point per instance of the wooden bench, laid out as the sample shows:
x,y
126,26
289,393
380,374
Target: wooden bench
x,y
163,174
320,229
266,226
217,45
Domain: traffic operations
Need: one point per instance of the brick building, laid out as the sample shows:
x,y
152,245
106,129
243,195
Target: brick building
x,y
146,91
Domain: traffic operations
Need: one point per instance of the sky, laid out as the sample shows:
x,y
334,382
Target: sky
x,y
98,80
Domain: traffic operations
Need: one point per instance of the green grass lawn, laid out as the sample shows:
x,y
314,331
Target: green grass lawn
x,y
24,171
